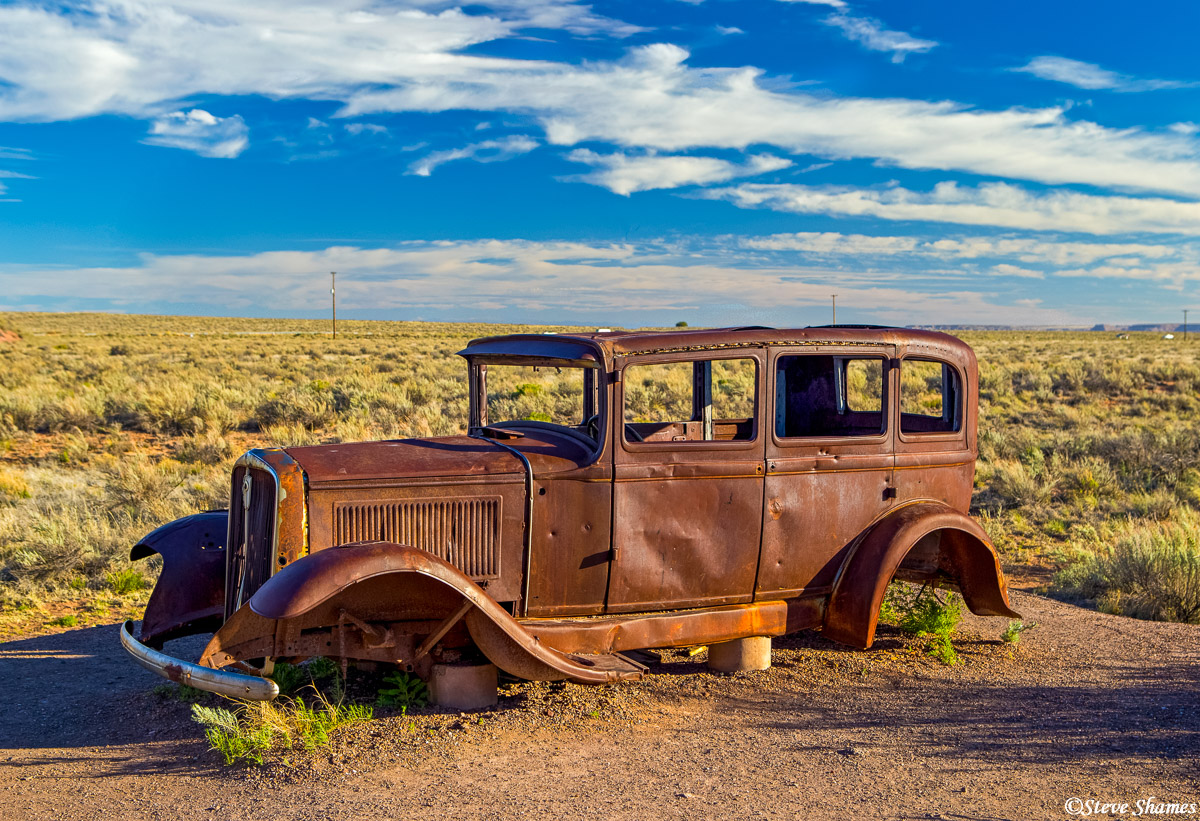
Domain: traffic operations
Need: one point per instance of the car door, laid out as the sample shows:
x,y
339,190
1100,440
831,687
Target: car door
x,y
829,462
688,480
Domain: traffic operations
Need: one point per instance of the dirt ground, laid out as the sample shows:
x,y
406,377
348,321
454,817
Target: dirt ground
x,y
1086,705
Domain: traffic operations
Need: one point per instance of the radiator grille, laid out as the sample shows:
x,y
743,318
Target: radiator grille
x,y
249,561
463,532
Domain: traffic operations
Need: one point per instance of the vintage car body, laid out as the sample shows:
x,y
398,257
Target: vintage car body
x,y
781,484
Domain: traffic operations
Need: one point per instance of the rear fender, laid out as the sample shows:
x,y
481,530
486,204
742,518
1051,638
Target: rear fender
x,y
958,550
190,593
397,591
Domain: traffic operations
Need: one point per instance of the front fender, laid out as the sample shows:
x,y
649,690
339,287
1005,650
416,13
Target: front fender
x,y
383,583
964,553
190,594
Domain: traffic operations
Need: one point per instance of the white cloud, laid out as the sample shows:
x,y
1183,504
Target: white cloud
x,y
10,153
833,243
651,99
366,128
11,175
624,174
199,131
513,278
486,151
1006,270
837,4
70,60
141,58
996,204
871,34
1053,252
1090,76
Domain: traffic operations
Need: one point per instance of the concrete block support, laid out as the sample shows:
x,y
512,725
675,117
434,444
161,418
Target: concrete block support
x,y
740,655
463,686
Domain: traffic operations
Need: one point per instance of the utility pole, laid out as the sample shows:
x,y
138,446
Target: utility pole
x,y
1185,310
834,298
333,299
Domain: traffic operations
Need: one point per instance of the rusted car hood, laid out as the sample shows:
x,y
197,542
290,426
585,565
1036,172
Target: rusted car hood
x,y
447,456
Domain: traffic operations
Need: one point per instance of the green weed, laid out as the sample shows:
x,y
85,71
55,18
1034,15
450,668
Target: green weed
x,y
123,582
234,739
1012,633
404,690
254,728
923,614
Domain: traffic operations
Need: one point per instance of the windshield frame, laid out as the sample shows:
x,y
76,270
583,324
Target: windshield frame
x,y
595,395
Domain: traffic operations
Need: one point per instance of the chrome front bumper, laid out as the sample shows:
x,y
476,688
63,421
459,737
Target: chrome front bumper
x,y
234,685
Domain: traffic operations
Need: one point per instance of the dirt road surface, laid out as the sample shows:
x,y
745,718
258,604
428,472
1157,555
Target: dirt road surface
x,y
1087,706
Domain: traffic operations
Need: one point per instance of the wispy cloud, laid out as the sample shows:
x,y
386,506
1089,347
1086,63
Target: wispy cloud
x,y
1092,77
136,57
486,151
634,284
199,131
871,34
1048,255
837,4
994,204
10,153
366,128
625,174
85,57
653,100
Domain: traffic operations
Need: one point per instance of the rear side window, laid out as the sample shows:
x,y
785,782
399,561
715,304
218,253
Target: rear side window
x,y
698,401
930,397
829,396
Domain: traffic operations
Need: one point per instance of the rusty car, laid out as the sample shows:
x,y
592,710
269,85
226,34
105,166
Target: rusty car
x,y
675,489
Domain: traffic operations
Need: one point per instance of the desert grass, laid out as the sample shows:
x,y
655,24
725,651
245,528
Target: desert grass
x,y
112,424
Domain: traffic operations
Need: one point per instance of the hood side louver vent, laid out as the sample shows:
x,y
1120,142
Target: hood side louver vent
x,y
463,532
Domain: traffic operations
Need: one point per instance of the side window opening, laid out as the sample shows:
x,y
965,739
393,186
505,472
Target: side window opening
x,y
700,401
930,397
829,396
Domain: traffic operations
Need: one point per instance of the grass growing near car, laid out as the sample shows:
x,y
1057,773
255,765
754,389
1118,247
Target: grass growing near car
x,y
251,729
922,613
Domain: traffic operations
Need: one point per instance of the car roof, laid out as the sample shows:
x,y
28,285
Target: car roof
x,y
592,349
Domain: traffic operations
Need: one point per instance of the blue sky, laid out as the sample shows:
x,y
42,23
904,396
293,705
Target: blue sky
x,y
619,163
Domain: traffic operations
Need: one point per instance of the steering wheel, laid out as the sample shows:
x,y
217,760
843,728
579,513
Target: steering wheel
x,y
632,433
592,426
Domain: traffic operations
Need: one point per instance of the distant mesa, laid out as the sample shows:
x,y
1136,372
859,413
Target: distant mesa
x,y
1157,327
9,336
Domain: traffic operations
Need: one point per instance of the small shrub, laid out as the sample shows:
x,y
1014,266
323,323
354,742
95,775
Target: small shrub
x,y
925,615
65,621
1012,633
123,582
403,690
1152,572
232,738
253,728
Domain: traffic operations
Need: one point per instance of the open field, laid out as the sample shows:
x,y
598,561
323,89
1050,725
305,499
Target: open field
x,y
111,425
